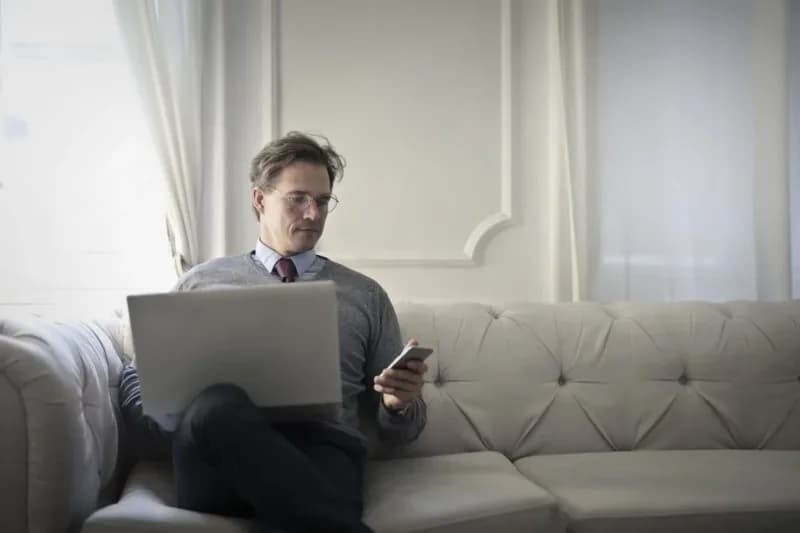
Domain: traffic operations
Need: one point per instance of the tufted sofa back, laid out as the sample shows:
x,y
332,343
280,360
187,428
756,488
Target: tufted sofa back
x,y
521,380
559,378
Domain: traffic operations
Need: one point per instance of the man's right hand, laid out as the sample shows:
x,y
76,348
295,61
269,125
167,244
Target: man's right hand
x,y
401,386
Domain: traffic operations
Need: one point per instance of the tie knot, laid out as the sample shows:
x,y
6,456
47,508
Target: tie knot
x,y
286,270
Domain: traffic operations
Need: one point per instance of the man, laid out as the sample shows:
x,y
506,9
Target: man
x,y
227,457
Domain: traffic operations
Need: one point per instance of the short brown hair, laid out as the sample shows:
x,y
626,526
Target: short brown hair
x,y
292,147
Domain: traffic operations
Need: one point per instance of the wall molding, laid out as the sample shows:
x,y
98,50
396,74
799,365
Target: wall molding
x,y
486,228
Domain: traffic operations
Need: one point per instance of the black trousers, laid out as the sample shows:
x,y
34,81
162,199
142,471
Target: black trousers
x,y
229,460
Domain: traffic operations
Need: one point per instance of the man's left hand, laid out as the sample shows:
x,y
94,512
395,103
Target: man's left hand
x,y
400,386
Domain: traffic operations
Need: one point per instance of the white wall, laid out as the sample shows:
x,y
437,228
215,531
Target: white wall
x,y
441,110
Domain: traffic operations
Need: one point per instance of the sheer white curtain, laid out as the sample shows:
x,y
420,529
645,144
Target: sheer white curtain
x,y
200,67
81,194
566,202
164,41
676,135
175,50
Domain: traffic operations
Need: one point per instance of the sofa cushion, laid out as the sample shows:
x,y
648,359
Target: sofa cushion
x,y
147,506
689,491
468,492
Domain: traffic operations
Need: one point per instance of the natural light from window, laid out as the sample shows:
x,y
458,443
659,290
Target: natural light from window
x,y
81,197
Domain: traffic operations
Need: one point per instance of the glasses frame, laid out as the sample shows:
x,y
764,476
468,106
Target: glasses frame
x,y
332,198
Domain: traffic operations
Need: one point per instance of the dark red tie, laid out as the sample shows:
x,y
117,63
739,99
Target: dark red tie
x,y
286,270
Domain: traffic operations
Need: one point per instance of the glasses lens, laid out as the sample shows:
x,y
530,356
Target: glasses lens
x,y
297,200
332,203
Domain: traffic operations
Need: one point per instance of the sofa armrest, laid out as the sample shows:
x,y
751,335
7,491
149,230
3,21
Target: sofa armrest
x,y
58,428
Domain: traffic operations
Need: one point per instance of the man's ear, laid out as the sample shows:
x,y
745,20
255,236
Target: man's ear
x,y
258,200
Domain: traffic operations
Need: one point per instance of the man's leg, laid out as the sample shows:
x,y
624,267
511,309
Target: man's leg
x,y
340,458
258,465
198,483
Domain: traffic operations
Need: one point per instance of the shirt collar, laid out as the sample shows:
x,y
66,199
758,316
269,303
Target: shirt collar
x,y
269,257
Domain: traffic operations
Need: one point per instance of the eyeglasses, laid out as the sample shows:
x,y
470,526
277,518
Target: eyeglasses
x,y
300,201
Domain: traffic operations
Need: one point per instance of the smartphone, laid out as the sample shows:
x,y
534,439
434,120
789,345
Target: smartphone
x,y
410,353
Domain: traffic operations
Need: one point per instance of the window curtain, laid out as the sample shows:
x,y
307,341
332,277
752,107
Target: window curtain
x,y
674,162
566,202
81,192
794,139
176,50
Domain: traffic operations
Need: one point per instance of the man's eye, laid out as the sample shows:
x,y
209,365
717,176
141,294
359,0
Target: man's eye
x,y
296,199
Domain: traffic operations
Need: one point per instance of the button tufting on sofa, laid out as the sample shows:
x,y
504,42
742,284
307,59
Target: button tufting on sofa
x,y
538,459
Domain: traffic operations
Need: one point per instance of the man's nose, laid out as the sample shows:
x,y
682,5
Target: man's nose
x,y
312,211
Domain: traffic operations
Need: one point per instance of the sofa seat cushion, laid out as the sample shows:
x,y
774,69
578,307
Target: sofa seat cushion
x,y
673,491
467,492
147,505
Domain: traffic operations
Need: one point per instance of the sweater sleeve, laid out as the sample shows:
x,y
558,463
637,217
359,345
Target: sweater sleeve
x,y
150,441
385,345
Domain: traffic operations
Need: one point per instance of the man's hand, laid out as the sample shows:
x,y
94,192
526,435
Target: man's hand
x,y
401,386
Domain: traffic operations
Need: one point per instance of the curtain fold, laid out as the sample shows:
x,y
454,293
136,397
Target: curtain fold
x,y
570,194
561,193
171,46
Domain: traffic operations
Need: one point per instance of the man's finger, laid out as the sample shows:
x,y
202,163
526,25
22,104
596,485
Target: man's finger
x,y
403,396
417,366
386,379
402,373
400,376
385,390
398,384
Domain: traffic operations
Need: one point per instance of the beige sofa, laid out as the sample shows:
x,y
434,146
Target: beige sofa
x,y
542,418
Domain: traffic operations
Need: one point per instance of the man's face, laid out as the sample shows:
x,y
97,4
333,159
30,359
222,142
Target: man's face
x,y
285,224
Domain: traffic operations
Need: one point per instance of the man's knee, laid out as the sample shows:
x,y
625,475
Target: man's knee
x,y
216,408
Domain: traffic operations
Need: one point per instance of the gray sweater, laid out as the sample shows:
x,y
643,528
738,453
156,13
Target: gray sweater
x,y
369,338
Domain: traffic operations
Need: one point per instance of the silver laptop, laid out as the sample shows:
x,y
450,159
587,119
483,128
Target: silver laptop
x,y
280,343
